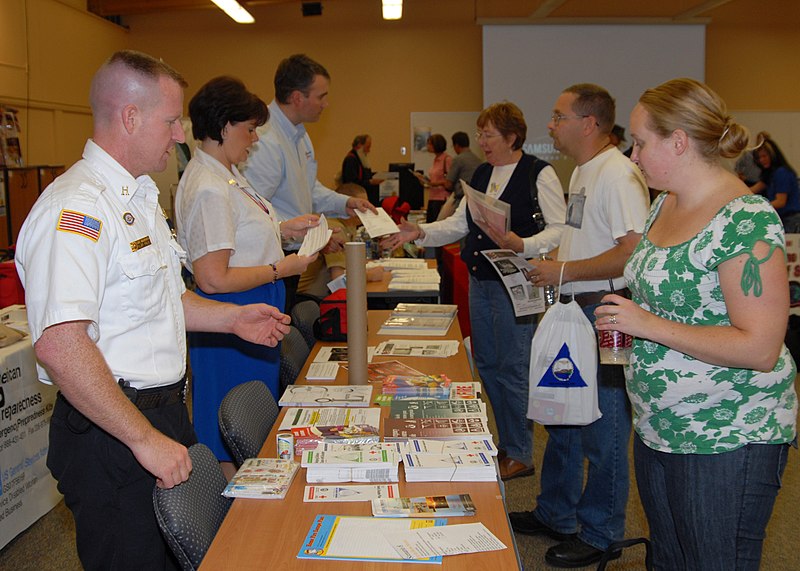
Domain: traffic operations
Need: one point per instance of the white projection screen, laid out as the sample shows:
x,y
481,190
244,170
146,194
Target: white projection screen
x,y
531,64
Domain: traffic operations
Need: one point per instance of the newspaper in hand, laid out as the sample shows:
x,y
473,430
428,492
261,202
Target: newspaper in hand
x,y
316,238
490,214
526,298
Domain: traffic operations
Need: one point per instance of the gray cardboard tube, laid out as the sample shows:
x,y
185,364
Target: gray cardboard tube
x,y
356,262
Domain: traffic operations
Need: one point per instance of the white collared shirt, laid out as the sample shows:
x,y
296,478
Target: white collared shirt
x,y
282,168
96,247
216,209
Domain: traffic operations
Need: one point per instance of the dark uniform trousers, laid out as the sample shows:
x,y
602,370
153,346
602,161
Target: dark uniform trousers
x,y
108,491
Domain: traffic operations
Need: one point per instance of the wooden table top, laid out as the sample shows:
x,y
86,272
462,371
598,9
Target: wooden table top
x,y
267,534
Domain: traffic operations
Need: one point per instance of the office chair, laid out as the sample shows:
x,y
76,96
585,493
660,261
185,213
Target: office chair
x,y
304,314
294,352
246,416
190,514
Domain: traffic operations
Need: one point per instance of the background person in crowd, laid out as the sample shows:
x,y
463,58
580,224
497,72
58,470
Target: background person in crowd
x,y
462,168
108,315
434,182
331,265
282,166
356,168
777,182
501,343
233,241
607,209
712,383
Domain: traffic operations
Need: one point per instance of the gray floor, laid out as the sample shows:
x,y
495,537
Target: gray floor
x,y
50,543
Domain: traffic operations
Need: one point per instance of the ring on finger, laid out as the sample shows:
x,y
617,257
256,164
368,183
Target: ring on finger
x,y
613,319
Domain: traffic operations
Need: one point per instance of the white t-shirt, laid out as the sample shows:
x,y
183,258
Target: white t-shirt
x,y
216,209
607,199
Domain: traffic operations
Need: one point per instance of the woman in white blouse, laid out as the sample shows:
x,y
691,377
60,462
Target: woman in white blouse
x,y
233,240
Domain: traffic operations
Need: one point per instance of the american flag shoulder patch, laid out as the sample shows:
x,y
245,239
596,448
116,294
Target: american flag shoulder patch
x,y
79,223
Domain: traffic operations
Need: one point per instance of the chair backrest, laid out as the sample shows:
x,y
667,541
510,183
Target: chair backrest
x,y
246,416
304,314
294,352
190,514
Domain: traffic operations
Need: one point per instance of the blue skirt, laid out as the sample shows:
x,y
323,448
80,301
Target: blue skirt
x,y
221,361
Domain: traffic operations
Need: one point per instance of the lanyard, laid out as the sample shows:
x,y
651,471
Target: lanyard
x,y
256,199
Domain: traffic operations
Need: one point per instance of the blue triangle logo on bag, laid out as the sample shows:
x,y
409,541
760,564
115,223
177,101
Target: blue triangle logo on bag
x,y
562,372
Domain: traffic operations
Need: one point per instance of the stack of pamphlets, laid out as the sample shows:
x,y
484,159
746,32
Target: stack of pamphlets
x,y
421,446
416,325
429,506
467,390
478,467
425,309
403,264
417,348
327,395
262,478
420,386
414,280
313,425
395,429
350,466
427,408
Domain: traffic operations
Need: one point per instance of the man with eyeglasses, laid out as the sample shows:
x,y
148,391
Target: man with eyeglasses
x,y
606,212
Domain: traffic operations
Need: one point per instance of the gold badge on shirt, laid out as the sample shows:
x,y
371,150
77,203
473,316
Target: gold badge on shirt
x,y
137,245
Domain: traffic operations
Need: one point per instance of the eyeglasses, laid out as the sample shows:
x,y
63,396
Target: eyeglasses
x,y
558,117
484,135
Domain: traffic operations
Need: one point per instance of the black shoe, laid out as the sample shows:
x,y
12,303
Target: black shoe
x,y
528,524
575,553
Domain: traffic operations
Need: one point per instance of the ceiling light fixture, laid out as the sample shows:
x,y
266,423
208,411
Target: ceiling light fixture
x,y
235,10
392,9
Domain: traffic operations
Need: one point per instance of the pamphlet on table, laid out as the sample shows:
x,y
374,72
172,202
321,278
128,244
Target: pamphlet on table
x,y
358,493
352,538
327,395
262,478
449,540
395,429
417,348
429,506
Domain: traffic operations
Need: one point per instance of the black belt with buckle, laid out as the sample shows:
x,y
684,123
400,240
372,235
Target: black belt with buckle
x,y
145,399
593,297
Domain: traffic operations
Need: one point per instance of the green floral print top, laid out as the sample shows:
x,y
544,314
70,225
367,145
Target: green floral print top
x,y
683,405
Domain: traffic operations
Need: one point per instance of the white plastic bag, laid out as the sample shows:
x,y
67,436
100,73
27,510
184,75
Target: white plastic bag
x,y
563,371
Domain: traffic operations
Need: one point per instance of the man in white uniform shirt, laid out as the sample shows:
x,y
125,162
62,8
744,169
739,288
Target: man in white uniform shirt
x,y
108,314
606,212
282,166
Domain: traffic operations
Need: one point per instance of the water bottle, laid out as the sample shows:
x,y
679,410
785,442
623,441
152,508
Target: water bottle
x,y
549,291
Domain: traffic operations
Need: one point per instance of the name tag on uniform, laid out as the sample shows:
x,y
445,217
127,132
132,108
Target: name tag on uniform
x,y
137,245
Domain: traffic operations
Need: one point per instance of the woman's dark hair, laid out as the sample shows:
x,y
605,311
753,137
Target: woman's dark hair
x,y
438,142
776,157
221,101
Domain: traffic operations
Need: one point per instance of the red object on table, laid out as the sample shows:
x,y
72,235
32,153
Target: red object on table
x,y
456,284
11,291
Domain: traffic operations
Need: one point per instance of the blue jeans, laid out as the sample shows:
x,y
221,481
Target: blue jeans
x,y
595,511
501,347
709,512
